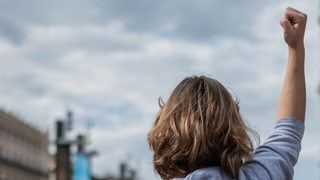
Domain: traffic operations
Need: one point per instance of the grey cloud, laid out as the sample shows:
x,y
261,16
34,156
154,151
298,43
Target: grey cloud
x,y
47,12
114,115
50,54
96,44
200,20
195,20
12,32
30,84
17,15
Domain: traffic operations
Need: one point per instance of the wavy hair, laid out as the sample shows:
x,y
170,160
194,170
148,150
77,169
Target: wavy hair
x,y
199,126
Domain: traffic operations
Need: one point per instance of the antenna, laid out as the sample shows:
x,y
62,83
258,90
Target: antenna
x,y
318,51
89,126
69,120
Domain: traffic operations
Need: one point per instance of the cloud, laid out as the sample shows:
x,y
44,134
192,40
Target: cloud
x,y
200,21
203,21
12,32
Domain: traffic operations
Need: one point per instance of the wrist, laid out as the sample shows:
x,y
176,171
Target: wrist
x,y
296,58
296,47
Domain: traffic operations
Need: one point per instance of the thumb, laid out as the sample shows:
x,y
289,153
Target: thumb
x,y
286,25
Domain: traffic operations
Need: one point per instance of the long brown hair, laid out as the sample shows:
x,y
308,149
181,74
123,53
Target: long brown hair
x,y
199,126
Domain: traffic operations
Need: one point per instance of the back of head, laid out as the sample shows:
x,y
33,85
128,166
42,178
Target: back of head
x,y
199,126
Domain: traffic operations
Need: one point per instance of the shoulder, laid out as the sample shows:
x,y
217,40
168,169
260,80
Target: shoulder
x,y
276,158
207,173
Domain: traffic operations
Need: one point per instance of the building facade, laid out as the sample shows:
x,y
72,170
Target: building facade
x,y
23,150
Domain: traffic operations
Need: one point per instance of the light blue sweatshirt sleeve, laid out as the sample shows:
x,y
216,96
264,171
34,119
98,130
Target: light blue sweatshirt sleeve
x,y
276,158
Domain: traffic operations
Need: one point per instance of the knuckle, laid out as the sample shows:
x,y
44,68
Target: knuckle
x,y
303,15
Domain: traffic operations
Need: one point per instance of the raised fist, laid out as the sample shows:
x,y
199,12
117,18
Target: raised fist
x,y
293,24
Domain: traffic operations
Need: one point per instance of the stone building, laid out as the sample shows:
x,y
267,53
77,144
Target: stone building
x,y
23,150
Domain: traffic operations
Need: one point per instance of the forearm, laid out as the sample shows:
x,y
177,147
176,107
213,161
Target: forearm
x,y
292,101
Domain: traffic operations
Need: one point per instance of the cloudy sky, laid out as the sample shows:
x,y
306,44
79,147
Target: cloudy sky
x,y
110,61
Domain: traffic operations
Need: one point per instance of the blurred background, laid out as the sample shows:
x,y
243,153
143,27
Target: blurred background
x,y
80,80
